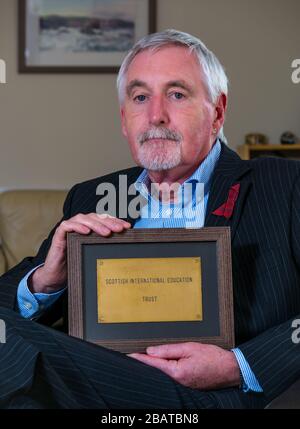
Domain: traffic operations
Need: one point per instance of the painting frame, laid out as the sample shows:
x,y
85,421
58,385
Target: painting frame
x,y
24,65
217,326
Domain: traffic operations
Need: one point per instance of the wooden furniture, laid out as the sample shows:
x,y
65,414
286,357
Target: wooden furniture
x,y
247,151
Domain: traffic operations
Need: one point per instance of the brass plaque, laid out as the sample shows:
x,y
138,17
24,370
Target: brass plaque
x,y
149,290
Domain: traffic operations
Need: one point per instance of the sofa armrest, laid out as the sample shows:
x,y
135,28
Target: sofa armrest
x,y
26,218
2,261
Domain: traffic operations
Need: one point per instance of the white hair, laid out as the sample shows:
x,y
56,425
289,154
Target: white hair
x,y
215,77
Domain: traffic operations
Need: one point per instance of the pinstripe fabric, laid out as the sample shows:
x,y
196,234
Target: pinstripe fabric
x,y
44,368
265,230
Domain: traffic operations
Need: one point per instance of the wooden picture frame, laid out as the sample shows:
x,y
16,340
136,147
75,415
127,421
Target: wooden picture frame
x,y
212,245
55,38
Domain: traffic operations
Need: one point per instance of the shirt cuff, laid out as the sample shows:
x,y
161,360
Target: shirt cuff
x,y
250,382
31,305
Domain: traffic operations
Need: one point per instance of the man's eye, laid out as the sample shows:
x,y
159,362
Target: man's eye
x,y
140,98
178,95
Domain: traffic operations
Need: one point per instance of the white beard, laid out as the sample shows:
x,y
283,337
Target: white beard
x,y
159,155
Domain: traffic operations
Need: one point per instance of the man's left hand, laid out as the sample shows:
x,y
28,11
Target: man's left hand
x,y
195,365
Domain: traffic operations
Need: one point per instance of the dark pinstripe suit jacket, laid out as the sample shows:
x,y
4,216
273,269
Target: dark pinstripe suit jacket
x,y
265,230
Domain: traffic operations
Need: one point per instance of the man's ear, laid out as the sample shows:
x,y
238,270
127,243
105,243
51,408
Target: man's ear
x,y
123,122
220,110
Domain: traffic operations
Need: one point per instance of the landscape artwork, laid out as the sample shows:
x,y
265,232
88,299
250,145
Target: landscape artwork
x,y
83,33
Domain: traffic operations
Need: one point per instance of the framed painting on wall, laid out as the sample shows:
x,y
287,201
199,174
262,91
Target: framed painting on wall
x,y
80,36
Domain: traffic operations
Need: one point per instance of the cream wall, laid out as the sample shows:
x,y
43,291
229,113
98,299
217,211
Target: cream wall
x,y
56,130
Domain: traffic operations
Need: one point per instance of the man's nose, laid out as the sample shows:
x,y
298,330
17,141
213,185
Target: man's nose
x,y
158,112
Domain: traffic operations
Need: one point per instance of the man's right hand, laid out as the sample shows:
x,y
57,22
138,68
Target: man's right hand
x,y
52,276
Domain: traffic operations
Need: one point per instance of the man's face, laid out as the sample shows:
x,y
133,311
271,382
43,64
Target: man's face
x,y
167,117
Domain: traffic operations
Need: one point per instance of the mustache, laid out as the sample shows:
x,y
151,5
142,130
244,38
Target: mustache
x,y
159,133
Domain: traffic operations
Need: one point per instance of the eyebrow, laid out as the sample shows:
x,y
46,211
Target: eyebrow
x,y
136,83
180,84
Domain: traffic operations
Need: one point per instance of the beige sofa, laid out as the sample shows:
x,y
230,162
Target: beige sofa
x,y
26,217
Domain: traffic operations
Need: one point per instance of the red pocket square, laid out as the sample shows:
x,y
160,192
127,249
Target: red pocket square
x,y
226,209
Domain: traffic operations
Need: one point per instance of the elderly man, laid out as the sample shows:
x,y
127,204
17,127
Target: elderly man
x,y
173,94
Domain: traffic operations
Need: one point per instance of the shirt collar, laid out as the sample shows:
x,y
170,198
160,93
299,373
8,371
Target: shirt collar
x,y
202,174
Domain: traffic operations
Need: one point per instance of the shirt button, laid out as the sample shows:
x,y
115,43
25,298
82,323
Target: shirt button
x,y
28,305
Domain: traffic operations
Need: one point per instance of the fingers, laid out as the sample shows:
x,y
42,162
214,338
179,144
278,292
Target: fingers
x,y
168,358
103,223
54,271
179,361
111,222
167,366
172,351
84,224
68,226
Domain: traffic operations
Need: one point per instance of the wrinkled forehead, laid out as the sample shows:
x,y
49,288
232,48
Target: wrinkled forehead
x,y
164,50
168,63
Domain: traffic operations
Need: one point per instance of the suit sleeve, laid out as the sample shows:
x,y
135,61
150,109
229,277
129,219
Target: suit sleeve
x,y
10,280
274,356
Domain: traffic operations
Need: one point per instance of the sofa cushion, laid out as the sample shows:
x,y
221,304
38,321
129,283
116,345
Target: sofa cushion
x,y
26,218
2,261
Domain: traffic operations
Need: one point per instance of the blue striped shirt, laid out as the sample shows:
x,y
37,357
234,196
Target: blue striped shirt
x,y
192,196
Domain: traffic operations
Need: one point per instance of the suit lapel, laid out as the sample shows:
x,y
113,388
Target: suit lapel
x,y
132,176
229,171
142,202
